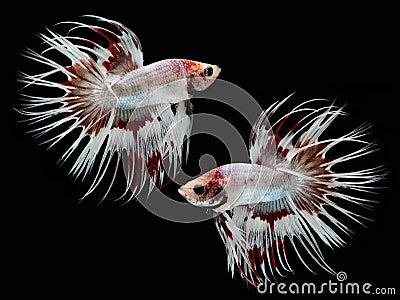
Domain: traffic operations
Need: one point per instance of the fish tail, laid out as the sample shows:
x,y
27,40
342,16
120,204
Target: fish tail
x,y
303,153
88,103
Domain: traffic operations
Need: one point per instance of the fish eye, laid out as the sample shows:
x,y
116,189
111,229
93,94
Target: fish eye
x,y
208,71
198,189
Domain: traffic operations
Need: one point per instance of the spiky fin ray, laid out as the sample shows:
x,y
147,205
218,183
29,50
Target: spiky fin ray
x,y
119,58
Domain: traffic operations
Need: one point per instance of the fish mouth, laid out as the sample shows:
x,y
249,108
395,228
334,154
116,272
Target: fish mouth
x,y
183,192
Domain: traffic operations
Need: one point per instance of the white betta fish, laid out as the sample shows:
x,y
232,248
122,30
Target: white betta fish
x,y
281,195
140,113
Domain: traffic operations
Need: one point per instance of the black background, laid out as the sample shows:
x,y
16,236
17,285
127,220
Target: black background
x,y
58,246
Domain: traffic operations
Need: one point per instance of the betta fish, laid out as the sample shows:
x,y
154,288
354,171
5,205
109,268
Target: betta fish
x,y
139,113
281,197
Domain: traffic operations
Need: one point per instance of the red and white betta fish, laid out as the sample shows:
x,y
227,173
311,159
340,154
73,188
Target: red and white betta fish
x,y
140,113
282,195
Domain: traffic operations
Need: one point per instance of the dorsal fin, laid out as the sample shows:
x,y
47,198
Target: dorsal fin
x,y
263,140
124,51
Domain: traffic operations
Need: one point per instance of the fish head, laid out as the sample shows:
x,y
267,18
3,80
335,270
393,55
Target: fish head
x,y
200,75
207,190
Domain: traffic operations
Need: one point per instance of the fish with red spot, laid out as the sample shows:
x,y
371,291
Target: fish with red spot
x,y
281,197
139,113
